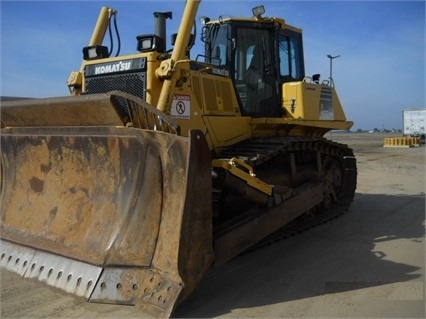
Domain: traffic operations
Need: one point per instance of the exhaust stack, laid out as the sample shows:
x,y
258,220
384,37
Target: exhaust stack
x,y
160,25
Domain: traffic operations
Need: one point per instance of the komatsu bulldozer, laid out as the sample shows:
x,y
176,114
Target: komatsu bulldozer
x,y
159,166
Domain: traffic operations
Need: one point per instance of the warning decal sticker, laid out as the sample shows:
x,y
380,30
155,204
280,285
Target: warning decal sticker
x,y
181,106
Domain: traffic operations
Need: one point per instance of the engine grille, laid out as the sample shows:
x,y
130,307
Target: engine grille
x,y
126,75
132,83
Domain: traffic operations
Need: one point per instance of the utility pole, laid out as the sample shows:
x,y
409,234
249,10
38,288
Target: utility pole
x,y
331,67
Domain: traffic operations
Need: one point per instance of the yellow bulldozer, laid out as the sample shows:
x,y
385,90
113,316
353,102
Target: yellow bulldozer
x,y
158,166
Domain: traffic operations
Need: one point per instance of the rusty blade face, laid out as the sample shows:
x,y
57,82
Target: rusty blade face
x,y
100,197
125,208
92,194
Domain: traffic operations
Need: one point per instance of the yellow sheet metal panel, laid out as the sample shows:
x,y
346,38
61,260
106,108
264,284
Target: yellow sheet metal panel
x,y
226,131
311,101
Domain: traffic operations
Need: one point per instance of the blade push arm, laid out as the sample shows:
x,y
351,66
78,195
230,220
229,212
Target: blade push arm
x,y
167,70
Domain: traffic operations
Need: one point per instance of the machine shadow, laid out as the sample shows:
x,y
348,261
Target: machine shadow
x,y
338,256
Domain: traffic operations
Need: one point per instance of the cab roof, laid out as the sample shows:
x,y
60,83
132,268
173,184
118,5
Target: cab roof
x,y
259,19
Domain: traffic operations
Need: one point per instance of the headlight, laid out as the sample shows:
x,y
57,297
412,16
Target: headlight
x,y
95,52
150,43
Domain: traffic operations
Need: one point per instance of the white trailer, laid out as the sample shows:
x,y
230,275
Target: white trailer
x,y
414,121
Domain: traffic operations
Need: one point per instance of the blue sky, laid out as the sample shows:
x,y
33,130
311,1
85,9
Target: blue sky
x,y
380,71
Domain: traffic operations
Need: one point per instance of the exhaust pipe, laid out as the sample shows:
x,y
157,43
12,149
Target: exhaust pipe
x,y
160,25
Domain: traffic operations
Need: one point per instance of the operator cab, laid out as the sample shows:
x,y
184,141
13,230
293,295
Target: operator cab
x,y
260,55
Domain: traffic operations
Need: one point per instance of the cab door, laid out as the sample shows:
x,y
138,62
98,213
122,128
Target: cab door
x,y
256,73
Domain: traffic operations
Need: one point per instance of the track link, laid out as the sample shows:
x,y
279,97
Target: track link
x,y
260,151
308,221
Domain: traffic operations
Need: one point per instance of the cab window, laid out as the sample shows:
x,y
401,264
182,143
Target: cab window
x,y
291,58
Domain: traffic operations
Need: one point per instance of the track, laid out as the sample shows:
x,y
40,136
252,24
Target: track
x,y
260,151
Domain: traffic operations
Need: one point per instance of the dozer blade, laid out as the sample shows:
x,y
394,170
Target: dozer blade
x,y
113,213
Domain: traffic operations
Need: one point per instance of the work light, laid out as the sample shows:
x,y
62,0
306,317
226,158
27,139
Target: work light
x,y
95,52
258,11
150,42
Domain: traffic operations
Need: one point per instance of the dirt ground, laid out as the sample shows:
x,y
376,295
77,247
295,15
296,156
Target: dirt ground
x,y
369,262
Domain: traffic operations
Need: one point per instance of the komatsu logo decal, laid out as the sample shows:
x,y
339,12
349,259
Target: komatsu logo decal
x,y
109,68
222,72
138,64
